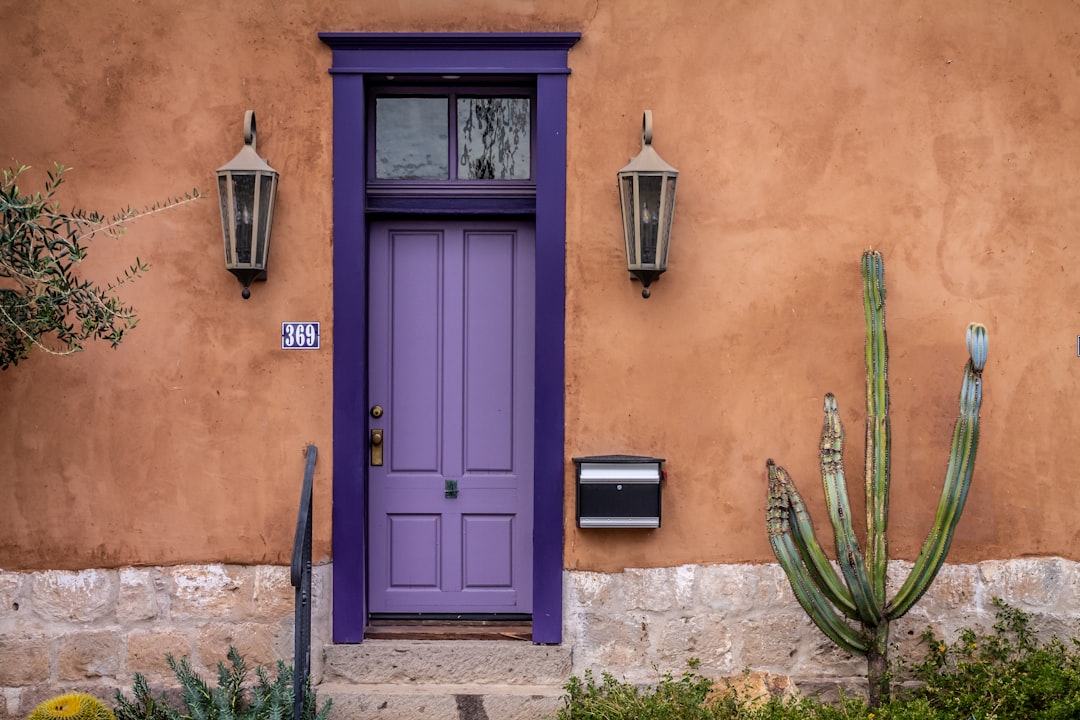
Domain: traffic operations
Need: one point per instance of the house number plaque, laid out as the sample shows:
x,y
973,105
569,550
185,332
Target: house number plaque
x,y
299,336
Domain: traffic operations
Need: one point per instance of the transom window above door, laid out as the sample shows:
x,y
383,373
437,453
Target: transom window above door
x,y
452,135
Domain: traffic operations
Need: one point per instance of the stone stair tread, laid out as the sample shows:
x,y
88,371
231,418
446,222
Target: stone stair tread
x,y
387,701
332,689
443,662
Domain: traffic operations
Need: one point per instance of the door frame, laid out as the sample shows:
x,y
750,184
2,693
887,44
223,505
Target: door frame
x,y
356,59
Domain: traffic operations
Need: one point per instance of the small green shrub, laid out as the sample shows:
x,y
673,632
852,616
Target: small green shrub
x,y
268,699
612,699
1005,675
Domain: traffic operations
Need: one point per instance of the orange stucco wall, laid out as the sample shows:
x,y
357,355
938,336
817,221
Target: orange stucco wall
x,y
944,135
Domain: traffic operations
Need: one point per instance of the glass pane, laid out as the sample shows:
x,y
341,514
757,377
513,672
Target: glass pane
x,y
244,199
411,138
266,192
223,194
493,137
669,215
626,192
650,216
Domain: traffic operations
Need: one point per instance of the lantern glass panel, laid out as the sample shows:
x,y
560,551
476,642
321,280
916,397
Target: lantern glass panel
x,y
244,203
266,194
224,200
626,190
669,213
649,187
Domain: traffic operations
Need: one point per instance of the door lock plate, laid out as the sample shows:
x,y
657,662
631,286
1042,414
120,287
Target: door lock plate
x,y
450,489
376,447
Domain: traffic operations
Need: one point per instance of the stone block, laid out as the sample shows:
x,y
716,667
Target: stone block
x,y
615,641
594,591
322,586
741,588
1023,582
833,689
137,598
752,690
819,654
773,641
82,596
703,637
10,704
10,586
954,587
201,592
147,651
658,589
26,659
256,642
275,597
83,655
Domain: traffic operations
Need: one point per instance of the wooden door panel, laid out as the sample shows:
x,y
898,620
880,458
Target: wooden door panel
x,y
451,361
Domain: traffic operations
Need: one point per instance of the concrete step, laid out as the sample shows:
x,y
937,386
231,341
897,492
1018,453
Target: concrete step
x,y
444,679
447,662
441,702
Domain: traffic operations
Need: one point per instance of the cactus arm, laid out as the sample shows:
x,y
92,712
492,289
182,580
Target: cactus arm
x,y
965,445
811,599
878,430
848,552
807,592
817,562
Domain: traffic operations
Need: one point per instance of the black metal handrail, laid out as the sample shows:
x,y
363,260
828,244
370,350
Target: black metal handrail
x,y
301,580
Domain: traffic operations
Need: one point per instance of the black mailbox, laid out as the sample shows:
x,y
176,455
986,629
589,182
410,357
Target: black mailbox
x,y
618,491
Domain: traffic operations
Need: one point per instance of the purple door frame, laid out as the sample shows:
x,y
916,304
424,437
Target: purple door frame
x,y
355,56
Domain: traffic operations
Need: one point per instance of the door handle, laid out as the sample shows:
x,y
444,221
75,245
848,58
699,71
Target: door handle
x,y
376,446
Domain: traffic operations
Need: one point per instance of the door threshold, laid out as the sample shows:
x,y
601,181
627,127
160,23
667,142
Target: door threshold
x,y
437,629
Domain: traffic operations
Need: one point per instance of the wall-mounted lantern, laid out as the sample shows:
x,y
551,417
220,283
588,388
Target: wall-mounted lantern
x,y
647,192
247,188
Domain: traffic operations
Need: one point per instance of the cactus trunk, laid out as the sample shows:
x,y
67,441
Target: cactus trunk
x,y
877,664
858,592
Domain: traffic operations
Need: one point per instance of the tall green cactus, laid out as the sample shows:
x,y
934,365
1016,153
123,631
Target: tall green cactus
x,y
857,592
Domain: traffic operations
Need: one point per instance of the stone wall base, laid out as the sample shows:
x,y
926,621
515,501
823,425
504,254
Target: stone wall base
x,y
92,630
640,623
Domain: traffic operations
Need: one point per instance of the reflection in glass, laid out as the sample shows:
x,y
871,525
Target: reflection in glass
x,y
493,138
244,199
411,138
650,216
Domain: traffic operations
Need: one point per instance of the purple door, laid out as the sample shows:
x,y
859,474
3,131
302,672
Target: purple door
x,y
451,337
